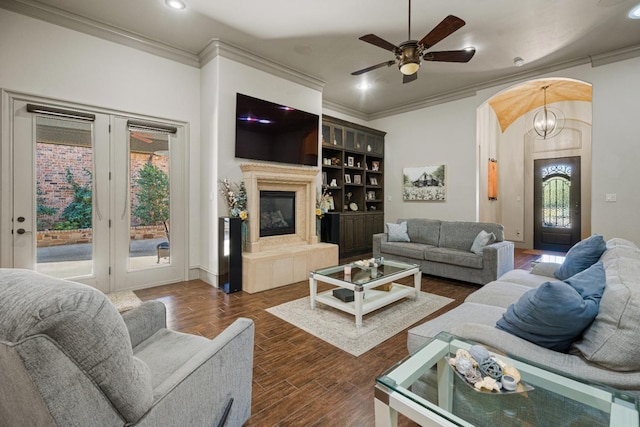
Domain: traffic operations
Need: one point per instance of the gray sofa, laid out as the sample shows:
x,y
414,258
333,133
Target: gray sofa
x,y
442,248
607,351
68,358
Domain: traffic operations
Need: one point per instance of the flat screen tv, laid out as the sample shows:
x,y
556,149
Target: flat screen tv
x,y
275,133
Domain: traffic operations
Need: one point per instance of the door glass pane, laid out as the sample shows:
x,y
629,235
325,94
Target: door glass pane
x,y
64,197
149,244
556,196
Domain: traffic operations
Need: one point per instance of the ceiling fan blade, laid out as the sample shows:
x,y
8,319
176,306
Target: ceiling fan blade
x,y
450,55
446,27
377,41
373,67
409,78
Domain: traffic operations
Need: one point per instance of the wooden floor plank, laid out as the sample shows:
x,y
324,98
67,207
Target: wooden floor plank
x,y
299,380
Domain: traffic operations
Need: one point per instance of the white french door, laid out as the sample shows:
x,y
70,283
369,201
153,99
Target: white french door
x,y
97,198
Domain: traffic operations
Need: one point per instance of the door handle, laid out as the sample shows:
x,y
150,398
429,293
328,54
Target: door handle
x,y
22,231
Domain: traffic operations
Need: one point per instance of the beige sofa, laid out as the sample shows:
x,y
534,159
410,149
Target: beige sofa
x,y
606,353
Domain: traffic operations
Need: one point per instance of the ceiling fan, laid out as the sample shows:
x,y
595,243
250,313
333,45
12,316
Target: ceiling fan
x,y
410,54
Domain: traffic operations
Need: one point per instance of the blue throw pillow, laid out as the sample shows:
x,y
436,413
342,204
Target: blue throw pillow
x,y
555,314
581,256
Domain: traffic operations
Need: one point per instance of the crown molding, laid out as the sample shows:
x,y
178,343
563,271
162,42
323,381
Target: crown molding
x,y
344,110
217,47
615,56
56,16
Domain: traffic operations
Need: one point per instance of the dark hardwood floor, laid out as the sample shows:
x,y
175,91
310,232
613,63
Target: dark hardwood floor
x,y
298,379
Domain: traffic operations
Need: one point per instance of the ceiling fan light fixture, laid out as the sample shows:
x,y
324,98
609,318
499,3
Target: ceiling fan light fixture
x,y
635,12
409,68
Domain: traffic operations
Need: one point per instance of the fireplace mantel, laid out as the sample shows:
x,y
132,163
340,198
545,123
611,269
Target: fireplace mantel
x,y
267,177
273,261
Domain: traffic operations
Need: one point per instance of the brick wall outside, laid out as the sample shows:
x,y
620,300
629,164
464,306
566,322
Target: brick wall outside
x,y
68,237
52,161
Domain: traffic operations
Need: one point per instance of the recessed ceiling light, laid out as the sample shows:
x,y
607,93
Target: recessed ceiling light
x,y
364,86
175,4
635,12
518,62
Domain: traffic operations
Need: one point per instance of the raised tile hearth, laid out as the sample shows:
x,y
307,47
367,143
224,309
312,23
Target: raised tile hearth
x,y
274,261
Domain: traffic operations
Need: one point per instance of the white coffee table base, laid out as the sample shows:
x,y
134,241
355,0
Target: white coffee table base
x,y
374,300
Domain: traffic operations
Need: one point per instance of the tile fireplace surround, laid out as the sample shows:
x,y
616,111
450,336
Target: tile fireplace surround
x,y
273,261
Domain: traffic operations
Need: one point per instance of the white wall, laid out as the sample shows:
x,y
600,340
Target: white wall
x,y
221,80
46,60
446,133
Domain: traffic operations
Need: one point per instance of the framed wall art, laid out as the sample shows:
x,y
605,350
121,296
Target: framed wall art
x,y
426,183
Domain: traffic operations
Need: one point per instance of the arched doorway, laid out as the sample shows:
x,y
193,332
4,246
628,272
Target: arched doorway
x,y
505,135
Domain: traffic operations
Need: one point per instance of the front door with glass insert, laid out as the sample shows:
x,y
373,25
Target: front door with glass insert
x,y
557,219
93,199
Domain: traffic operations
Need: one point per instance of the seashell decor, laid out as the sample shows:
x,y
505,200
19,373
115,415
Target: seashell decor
x,y
490,369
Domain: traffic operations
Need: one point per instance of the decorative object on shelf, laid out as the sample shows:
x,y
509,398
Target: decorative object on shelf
x,y
347,179
425,183
486,373
371,195
373,180
353,206
547,122
492,187
324,178
357,179
350,161
375,165
358,164
324,202
333,183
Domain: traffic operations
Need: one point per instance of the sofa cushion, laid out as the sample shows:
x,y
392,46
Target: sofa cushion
x,y
453,256
581,256
523,277
423,230
464,313
404,249
498,293
461,234
482,239
555,314
397,232
613,337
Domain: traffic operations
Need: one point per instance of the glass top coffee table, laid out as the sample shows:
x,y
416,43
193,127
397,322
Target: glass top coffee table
x,y
362,282
425,388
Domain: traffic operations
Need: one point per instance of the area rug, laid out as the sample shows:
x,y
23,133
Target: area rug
x,y
339,328
124,301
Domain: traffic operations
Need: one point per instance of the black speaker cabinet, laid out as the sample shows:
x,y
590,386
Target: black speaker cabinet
x,y
230,254
330,225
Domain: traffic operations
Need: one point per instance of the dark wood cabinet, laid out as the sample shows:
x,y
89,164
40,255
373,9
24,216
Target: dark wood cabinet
x,y
353,172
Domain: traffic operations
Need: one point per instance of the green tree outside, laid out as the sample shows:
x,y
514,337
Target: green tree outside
x,y
153,196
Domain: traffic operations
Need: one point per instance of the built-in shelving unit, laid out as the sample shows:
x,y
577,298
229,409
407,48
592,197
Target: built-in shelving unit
x,y
353,170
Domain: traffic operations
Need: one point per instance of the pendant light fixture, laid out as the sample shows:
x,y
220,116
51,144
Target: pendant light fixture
x,y
548,122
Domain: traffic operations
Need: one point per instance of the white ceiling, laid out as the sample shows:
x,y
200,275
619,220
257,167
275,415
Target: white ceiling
x,y
320,38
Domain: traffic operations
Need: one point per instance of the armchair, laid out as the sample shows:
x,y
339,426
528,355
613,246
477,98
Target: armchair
x,y
67,357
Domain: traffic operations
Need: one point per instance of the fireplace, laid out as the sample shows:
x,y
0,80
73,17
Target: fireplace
x,y
277,255
277,213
